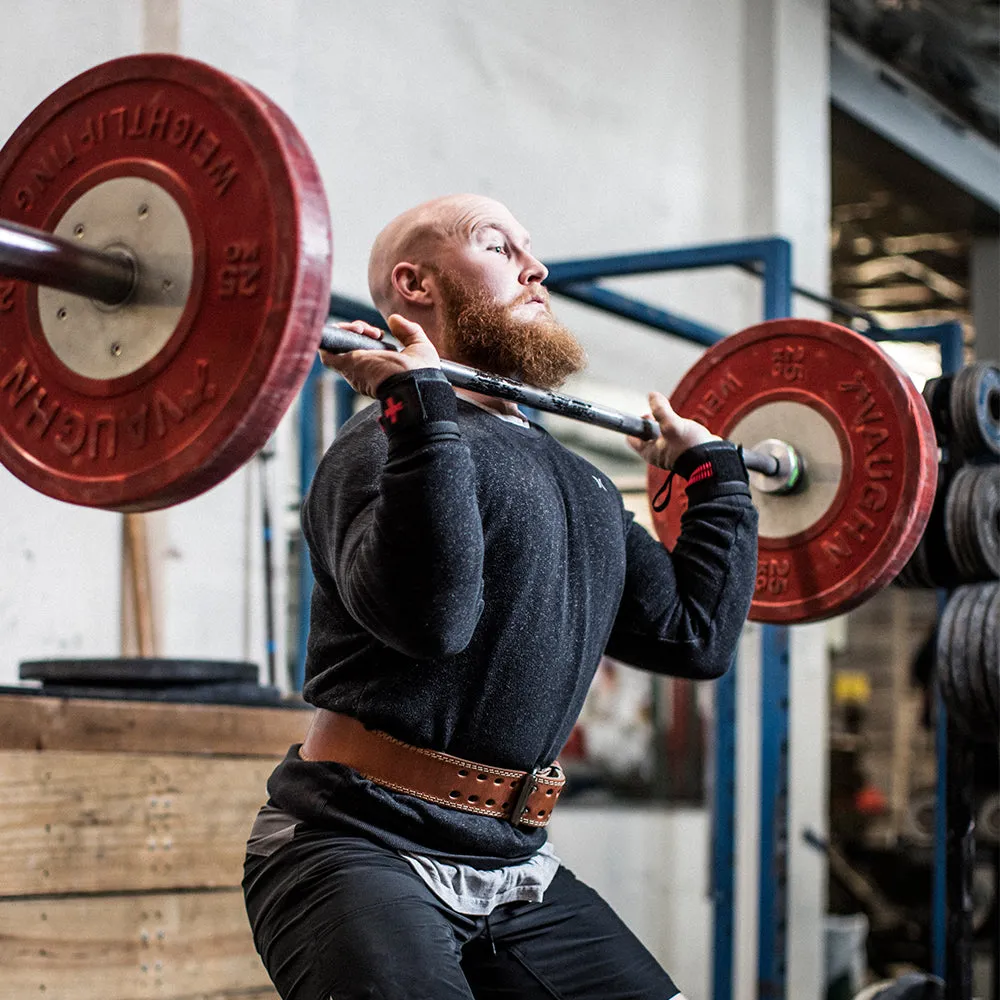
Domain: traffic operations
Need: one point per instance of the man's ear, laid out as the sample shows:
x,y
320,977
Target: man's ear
x,y
411,284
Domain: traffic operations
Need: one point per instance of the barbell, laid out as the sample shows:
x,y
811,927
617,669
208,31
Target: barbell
x,y
164,284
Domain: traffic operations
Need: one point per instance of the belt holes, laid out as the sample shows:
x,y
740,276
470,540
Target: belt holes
x,y
506,804
541,813
454,795
473,798
548,791
463,773
491,802
481,777
498,781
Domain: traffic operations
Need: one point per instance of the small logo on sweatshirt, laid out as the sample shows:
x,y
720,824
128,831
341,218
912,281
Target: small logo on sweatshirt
x,y
600,483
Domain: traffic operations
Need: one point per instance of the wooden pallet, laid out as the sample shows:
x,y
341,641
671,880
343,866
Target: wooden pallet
x,y
121,847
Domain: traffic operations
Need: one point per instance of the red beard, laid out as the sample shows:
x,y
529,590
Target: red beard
x,y
484,334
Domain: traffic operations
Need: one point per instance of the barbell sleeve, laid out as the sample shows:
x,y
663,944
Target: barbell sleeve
x,y
34,255
339,341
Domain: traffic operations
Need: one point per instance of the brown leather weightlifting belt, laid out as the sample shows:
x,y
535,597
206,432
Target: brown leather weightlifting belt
x,y
524,798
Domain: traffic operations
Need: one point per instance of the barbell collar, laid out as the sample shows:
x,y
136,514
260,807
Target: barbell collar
x,y
33,255
336,340
785,471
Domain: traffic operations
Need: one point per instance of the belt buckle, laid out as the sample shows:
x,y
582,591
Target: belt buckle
x,y
528,788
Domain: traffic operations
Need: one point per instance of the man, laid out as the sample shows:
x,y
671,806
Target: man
x,y
470,573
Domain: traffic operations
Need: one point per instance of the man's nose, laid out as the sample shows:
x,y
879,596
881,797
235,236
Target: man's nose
x,y
533,271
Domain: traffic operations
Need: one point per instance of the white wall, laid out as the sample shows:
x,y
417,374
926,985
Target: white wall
x,y
606,126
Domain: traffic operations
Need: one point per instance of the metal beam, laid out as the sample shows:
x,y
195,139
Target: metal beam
x,y
888,103
639,311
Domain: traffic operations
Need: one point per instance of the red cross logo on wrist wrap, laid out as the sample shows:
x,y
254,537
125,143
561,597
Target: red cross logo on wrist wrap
x,y
392,409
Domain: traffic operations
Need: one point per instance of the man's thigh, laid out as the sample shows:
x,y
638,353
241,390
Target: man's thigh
x,y
571,946
339,918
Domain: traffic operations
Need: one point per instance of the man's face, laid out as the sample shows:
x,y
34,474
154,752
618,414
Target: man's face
x,y
489,254
497,314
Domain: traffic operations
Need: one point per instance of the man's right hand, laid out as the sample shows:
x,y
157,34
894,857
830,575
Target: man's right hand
x,y
367,370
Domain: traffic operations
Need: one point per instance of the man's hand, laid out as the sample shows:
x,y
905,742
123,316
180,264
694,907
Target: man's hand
x,y
677,434
367,370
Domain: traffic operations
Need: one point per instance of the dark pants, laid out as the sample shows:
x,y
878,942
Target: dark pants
x,y
337,918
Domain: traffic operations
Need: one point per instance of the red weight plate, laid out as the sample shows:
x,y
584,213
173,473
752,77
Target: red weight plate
x,y
870,455
206,399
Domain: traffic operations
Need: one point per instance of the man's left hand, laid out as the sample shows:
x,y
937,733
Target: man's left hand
x,y
677,434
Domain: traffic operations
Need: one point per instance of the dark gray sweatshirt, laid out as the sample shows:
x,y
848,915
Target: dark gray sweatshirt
x,y
470,573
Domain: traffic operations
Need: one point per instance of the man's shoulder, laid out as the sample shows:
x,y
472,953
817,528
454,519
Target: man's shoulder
x,y
357,432
362,420
358,440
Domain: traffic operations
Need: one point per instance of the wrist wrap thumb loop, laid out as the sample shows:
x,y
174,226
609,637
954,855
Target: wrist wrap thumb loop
x,y
656,503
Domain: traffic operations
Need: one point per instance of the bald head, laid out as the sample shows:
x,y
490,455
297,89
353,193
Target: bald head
x,y
419,236
463,269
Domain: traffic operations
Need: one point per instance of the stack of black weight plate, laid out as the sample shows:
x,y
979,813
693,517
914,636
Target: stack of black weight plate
x,y
968,660
214,682
961,543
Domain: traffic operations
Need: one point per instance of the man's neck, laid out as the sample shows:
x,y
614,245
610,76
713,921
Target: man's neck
x,y
501,407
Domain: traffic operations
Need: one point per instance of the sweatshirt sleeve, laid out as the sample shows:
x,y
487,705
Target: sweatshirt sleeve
x,y
393,521
682,612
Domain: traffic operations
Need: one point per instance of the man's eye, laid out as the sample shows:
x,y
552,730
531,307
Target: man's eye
x,y
499,248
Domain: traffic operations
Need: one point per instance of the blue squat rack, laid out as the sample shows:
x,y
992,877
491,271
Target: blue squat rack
x,y
771,260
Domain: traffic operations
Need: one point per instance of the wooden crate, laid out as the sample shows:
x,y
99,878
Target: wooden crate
x,y
121,847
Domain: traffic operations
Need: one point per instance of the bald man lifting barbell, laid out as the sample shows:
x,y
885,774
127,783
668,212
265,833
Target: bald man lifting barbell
x,y
470,574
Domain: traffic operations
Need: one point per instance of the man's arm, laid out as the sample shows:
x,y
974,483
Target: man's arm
x,y
681,613
392,516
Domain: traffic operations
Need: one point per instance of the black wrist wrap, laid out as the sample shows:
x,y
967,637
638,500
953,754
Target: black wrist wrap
x,y
713,469
418,403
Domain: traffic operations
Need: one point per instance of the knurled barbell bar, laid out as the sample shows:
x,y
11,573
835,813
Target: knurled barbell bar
x,y
779,464
110,276
175,294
